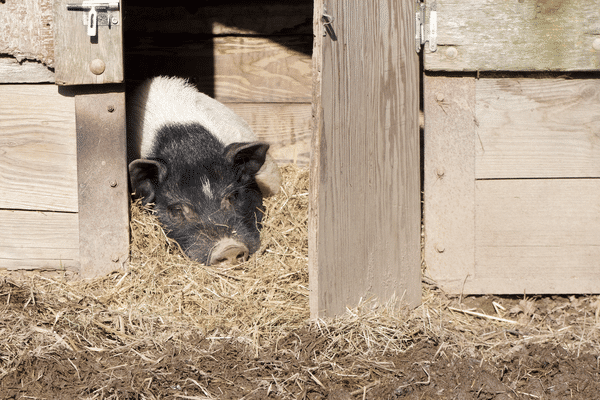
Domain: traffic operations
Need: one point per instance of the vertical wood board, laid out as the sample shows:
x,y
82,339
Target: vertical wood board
x,y
38,240
538,128
449,192
524,35
365,189
102,180
75,50
38,166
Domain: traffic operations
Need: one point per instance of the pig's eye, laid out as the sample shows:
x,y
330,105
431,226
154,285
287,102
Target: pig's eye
x,y
178,212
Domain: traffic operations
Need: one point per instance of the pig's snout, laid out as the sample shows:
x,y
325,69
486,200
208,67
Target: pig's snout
x,y
230,251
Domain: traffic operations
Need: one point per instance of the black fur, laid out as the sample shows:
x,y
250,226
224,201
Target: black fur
x,y
184,158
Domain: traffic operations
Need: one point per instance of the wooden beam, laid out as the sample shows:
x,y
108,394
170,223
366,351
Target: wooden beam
x,y
365,172
102,179
524,35
449,193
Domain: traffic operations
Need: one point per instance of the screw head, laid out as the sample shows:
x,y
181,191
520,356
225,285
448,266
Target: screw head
x,y
113,184
596,44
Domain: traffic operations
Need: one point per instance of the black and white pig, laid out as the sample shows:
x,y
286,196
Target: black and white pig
x,y
202,167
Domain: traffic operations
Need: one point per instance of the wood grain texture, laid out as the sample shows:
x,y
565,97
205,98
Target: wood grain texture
x,y
524,35
537,236
365,189
286,127
449,193
102,180
38,240
233,69
538,128
75,50
12,71
26,32
38,166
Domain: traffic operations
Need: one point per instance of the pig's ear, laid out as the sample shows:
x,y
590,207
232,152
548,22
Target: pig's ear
x,y
144,175
248,156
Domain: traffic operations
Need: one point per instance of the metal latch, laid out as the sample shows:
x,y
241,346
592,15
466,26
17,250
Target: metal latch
x,y
426,32
97,13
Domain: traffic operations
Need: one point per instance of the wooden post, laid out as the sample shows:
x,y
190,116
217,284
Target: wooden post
x,y
102,179
365,172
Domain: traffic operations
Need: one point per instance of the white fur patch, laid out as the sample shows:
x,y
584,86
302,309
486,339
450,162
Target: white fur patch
x,y
206,189
164,100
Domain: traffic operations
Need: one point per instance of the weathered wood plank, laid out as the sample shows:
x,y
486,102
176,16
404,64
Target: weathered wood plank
x,y
233,69
37,142
365,183
77,54
538,128
102,180
449,193
524,35
26,32
287,127
537,236
241,18
12,71
36,240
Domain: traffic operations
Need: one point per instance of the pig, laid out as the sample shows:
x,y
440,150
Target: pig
x,y
202,167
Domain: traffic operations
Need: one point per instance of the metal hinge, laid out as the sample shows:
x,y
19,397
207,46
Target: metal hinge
x,y
426,31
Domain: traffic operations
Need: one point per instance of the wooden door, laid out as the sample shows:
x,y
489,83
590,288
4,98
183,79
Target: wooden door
x,y
512,188
365,190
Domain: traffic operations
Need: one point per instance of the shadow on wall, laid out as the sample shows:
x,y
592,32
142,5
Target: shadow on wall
x,y
185,40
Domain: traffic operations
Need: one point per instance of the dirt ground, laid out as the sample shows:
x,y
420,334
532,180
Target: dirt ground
x,y
167,328
220,367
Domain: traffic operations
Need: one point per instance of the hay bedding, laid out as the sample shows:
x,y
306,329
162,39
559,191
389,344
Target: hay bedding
x,y
171,328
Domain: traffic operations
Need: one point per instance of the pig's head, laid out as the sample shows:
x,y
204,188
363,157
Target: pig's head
x,y
205,194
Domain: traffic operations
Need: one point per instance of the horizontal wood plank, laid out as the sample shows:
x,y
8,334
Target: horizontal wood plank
x,y
524,35
13,71
537,236
538,128
287,127
38,146
38,240
232,69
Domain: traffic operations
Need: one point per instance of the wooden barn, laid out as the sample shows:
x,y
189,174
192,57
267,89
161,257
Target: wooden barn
x,y
506,167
